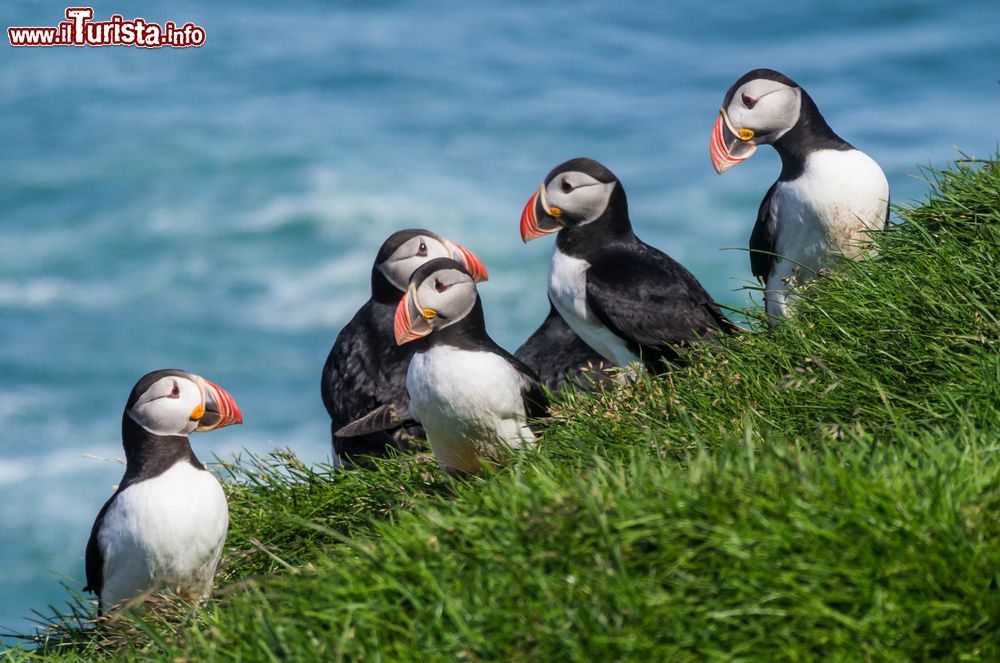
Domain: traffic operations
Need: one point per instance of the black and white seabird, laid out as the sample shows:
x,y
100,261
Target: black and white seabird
x,y
627,300
365,368
559,356
473,398
828,197
165,525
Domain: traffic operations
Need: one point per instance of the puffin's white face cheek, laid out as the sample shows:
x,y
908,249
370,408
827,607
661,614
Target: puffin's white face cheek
x,y
410,255
448,295
167,406
579,197
765,107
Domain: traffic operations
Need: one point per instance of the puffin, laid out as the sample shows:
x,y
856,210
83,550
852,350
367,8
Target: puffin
x,y
631,303
560,357
828,198
473,398
365,368
164,527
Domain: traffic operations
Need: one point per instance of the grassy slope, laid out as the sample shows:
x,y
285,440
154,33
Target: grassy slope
x,y
828,490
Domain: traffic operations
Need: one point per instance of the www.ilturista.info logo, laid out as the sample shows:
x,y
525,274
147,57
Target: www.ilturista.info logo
x,y
80,30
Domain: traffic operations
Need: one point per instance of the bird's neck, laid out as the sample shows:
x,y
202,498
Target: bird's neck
x,y
469,332
810,133
612,227
383,291
148,454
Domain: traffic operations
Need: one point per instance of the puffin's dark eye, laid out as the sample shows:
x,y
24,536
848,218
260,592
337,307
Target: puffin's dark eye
x,y
175,392
440,287
422,251
567,187
749,101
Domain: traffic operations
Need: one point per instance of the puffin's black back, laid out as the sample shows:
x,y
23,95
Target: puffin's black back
x,y
657,317
558,355
638,292
366,369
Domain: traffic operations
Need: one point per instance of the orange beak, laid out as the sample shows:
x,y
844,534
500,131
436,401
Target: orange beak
x,y
726,147
475,266
536,220
410,322
220,409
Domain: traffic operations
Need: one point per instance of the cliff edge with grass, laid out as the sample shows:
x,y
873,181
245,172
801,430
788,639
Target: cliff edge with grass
x,y
829,490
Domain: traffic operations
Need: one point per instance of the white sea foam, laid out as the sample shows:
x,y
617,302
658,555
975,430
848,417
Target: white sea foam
x,y
45,292
53,465
326,293
368,215
301,297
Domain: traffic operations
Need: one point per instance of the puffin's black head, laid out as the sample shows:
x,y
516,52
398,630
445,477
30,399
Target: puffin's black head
x,y
759,108
175,402
404,251
441,293
573,194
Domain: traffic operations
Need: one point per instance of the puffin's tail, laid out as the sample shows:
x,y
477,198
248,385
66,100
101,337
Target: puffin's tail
x,y
381,418
725,325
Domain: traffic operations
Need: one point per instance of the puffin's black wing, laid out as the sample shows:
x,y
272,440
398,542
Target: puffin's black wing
x,y
650,300
94,557
557,355
384,417
366,369
762,238
536,403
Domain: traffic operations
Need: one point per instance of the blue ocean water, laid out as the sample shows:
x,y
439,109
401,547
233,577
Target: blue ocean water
x,y
217,209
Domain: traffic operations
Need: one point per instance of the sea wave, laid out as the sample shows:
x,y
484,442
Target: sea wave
x,y
46,292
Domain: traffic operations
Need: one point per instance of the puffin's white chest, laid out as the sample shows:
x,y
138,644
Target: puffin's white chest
x,y
828,210
167,531
568,292
469,403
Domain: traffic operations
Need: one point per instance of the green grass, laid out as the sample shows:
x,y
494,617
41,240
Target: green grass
x,y
826,491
